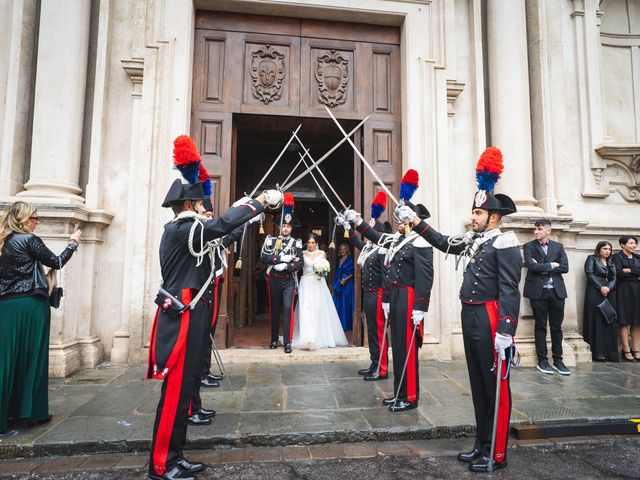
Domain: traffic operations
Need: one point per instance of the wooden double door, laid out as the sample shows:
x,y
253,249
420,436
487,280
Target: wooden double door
x,y
291,67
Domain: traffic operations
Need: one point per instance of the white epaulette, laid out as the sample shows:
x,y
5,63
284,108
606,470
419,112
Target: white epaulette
x,y
506,240
421,242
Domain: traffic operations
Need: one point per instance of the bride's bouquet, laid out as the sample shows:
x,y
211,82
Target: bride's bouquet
x,y
321,267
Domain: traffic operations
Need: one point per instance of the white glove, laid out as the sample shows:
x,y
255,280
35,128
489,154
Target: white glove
x,y
286,258
385,309
404,213
350,215
280,267
503,342
257,218
417,316
242,201
274,197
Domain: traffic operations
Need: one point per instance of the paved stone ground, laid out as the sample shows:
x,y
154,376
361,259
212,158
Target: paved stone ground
x,y
576,458
111,409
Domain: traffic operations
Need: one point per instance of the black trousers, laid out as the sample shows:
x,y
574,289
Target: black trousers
x,y
550,307
400,310
178,387
479,322
376,334
282,294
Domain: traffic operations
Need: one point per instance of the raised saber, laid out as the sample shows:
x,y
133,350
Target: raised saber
x,y
320,172
318,184
364,160
253,192
324,157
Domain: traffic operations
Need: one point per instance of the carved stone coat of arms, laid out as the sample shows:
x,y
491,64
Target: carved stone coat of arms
x,y
332,74
267,74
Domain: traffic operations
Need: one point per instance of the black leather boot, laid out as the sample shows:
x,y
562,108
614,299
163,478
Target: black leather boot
x,y
481,465
190,467
469,456
208,382
287,348
175,473
203,412
196,419
401,406
273,345
389,401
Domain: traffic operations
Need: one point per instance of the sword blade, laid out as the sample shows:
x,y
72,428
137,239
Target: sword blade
x,y
324,157
284,149
495,412
364,160
320,173
318,183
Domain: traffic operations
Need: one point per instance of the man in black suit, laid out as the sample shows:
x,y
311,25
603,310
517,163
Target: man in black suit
x,y
546,261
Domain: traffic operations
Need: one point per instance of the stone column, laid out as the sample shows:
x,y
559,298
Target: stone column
x,y
58,111
510,114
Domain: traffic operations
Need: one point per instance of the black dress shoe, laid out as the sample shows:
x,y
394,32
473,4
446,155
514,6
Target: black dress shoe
x,y
273,345
389,401
209,383
211,376
469,456
287,348
175,473
482,465
374,378
403,406
368,371
203,412
190,467
197,420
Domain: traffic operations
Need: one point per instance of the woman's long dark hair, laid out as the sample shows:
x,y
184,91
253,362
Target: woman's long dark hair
x,y
314,236
599,246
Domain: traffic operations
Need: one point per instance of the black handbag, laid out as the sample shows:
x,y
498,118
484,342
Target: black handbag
x,y
608,312
55,297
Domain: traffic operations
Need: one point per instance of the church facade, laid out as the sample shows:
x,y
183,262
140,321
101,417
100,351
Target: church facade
x,y
93,94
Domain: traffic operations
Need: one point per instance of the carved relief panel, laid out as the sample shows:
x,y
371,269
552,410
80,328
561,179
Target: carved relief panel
x,y
271,76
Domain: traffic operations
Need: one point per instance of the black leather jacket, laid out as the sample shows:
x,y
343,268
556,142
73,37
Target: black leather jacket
x,y
21,272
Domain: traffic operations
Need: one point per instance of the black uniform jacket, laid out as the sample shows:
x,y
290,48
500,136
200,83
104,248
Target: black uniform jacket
x,y
539,268
290,246
410,264
492,274
183,278
372,264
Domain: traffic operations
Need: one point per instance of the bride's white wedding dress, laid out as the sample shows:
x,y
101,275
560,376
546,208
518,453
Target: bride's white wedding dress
x,y
317,324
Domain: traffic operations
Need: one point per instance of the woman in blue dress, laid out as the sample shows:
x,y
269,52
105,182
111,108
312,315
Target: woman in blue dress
x,y
343,287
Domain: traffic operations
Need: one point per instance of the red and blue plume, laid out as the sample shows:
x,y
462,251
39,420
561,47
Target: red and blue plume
x,y
288,203
186,158
205,178
378,205
489,168
408,185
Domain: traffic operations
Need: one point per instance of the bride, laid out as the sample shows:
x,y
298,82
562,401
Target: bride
x,y
317,324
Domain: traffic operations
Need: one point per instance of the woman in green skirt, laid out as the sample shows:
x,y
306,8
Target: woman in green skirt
x,y
25,315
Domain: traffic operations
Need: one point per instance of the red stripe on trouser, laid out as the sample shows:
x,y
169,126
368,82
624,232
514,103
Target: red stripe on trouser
x,y
152,346
216,303
410,377
504,407
382,344
190,411
292,320
172,396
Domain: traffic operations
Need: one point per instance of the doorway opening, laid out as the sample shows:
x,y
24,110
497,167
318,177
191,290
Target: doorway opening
x,y
258,141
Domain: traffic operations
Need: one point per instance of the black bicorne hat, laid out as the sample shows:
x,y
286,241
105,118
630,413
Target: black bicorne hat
x,y
180,192
500,203
289,219
421,210
383,227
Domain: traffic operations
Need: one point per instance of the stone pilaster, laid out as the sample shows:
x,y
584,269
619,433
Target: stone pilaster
x,y
510,114
58,112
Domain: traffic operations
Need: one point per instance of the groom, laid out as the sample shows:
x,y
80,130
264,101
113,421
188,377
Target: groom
x,y
282,281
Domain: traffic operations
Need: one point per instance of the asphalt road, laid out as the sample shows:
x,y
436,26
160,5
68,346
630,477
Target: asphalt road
x,y
612,458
